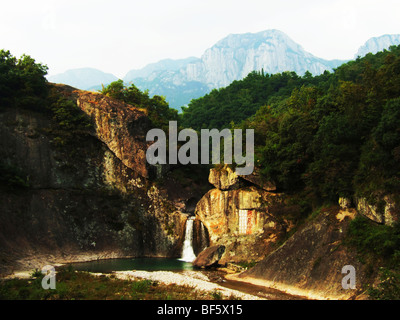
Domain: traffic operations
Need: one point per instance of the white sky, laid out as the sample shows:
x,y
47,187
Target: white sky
x,y
116,36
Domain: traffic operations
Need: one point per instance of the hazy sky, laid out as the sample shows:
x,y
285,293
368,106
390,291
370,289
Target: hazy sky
x,y
116,35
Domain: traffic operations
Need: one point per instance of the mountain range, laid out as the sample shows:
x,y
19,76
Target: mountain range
x,y
231,58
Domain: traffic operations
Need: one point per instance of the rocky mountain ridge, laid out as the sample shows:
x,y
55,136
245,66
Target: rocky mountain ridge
x,y
377,44
231,58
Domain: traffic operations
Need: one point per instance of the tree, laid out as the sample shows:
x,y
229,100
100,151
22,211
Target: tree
x,y
22,82
157,107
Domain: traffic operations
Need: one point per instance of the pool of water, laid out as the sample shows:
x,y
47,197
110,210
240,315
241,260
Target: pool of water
x,y
147,264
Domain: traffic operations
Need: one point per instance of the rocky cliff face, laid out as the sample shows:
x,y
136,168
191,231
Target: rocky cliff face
x,y
120,126
237,216
377,44
235,56
385,212
310,263
245,226
87,199
232,58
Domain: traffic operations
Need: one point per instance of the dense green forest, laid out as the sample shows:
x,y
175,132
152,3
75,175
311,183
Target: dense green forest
x,y
332,135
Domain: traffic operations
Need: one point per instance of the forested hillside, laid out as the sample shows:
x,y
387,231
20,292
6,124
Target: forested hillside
x,y
333,135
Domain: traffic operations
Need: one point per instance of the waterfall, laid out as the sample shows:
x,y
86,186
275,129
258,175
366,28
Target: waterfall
x,y
187,251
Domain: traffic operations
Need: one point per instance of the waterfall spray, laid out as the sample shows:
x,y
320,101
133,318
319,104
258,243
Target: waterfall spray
x,y
187,251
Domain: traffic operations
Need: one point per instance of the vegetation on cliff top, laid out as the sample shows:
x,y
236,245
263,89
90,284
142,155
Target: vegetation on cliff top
x,y
22,82
157,107
324,137
329,136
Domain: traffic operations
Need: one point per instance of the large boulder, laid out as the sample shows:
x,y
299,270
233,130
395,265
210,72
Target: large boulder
x,y
209,257
224,178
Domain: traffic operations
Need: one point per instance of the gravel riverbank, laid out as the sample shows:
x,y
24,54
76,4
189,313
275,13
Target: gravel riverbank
x,y
194,279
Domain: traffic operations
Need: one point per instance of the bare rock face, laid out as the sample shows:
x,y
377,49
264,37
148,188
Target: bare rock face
x,y
87,199
310,263
384,212
391,212
224,178
240,220
237,215
120,126
344,203
220,211
209,257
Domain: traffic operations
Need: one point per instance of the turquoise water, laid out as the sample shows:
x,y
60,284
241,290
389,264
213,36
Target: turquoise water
x,y
147,264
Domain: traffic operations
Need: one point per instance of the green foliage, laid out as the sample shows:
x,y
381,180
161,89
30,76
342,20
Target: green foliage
x,y
379,166
217,295
22,82
241,99
388,288
378,244
70,127
141,287
333,135
36,273
157,107
67,114
374,240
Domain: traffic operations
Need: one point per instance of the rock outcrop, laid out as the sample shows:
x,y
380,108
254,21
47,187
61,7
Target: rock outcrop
x,y
224,179
310,263
120,126
90,198
384,212
209,257
237,216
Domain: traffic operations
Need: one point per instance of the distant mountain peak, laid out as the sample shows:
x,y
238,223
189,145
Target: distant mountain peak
x,y
162,65
83,78
231,58
376,44
235,56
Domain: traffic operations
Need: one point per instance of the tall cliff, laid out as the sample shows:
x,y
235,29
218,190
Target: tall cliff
x,y
84,192
239,218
